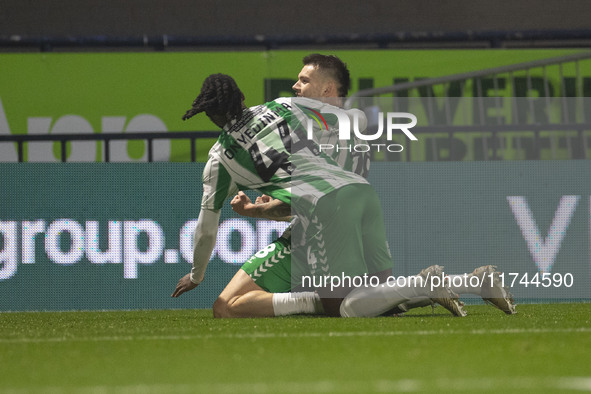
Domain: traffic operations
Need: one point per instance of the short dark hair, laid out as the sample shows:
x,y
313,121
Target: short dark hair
x,y
334,66
219,95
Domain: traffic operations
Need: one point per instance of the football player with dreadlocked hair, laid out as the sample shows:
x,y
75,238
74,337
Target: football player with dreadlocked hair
x,y
265,148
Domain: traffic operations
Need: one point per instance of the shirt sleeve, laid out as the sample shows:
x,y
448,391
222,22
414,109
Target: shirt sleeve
x,y
204,238
217,185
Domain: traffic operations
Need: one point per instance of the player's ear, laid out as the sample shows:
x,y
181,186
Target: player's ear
x,y
330,89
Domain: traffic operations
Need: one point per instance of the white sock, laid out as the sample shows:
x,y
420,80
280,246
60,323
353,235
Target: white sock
x,y
294,303
373,301
461,284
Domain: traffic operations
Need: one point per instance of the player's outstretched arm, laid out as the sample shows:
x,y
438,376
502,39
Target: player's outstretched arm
x,y
204,238
264,207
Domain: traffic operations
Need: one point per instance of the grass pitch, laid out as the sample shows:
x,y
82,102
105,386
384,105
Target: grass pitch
x,y
544,348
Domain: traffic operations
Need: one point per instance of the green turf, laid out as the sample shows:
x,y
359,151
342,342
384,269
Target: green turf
x,y
544,348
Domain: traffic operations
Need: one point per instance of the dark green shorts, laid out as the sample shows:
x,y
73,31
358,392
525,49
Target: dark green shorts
x,y
270,268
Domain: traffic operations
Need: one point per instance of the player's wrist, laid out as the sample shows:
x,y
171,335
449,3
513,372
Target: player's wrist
x,y
194,279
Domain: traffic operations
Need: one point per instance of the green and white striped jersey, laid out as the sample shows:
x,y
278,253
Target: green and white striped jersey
x,y
269,150
326,133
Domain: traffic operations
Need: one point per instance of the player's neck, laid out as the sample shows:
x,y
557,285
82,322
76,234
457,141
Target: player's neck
x,y
336,101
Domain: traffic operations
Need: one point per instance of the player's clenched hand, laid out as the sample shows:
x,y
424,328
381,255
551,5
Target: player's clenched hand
x,y
263,199
183,286
242,205
265,207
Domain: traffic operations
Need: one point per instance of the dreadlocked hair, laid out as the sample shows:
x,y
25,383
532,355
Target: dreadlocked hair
x,y
219,95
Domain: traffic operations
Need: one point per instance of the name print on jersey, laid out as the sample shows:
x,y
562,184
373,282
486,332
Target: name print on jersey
x,y
261,116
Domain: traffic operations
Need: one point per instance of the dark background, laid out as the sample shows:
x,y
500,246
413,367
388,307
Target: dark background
x,y
303,22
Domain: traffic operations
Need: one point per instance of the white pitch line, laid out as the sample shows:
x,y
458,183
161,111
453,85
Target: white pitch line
x,y
274,335
456,384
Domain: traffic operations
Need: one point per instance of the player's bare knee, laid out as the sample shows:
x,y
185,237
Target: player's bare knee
x,y
224,308
221,308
